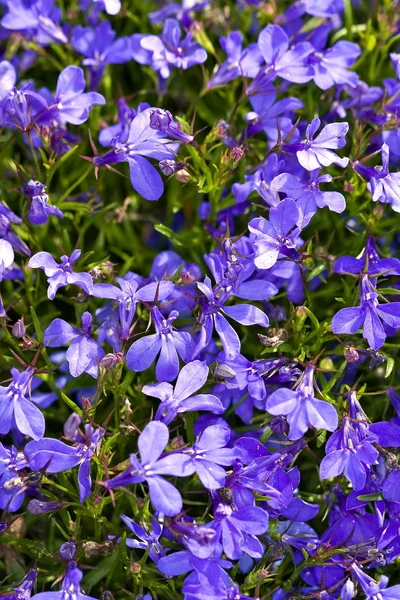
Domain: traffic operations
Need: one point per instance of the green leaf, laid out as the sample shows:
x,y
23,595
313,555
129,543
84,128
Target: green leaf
x,y
73,406
36,324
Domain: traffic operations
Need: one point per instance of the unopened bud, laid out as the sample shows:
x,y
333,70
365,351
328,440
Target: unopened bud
x,y
36,507
278,425
71,425
94,549
68,550
222,372
221,128
135,568
237,154
351,355
109,361
348,187
177,443
168,166
19,329
106,595
183,176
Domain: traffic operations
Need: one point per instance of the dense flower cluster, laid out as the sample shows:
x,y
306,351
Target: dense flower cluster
x,y
200,395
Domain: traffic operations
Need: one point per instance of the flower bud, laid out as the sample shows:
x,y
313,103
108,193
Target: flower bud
x,y
106,595
237,154
71,425
95,549
108,361
67,550
222,372
183,176
36,507
19,329
135,568
177,443
278,425
168,166
351,355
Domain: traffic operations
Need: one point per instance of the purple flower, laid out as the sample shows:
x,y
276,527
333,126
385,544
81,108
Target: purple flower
x,y
370,263
368,316
61,274
162,120
71,104
300,407
331,66
375,590
236,530
38,18
289,63
349,450
84,354
8,78
167,50
383,185
54,456
208,454
308,195
24,590
279,235
148,538
170,342
7,219
260,182
70,587
191,378
315,153
143,142
40,209
11,485
16,410
163,495
270,115
211,303
6,257
100,48
239,63
128,296
120,131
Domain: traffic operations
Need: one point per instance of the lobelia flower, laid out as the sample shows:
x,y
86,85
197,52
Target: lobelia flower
x,y
211,303
236,530
151,443
314,153
166,341
71,104
375,590
143,142
59,275
24,590
100,48
7,219
208,454
300,407
331,65
180,399
70,587
8,78
272,116
6,257
368,316
54,456
308,195
40,209
281,60
349,450
370,263
84,354
383,185
17,410
182,12
239,63
120,131
260,182
148,537
279,235
162,120
12,486
38,18
128,296
167,50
